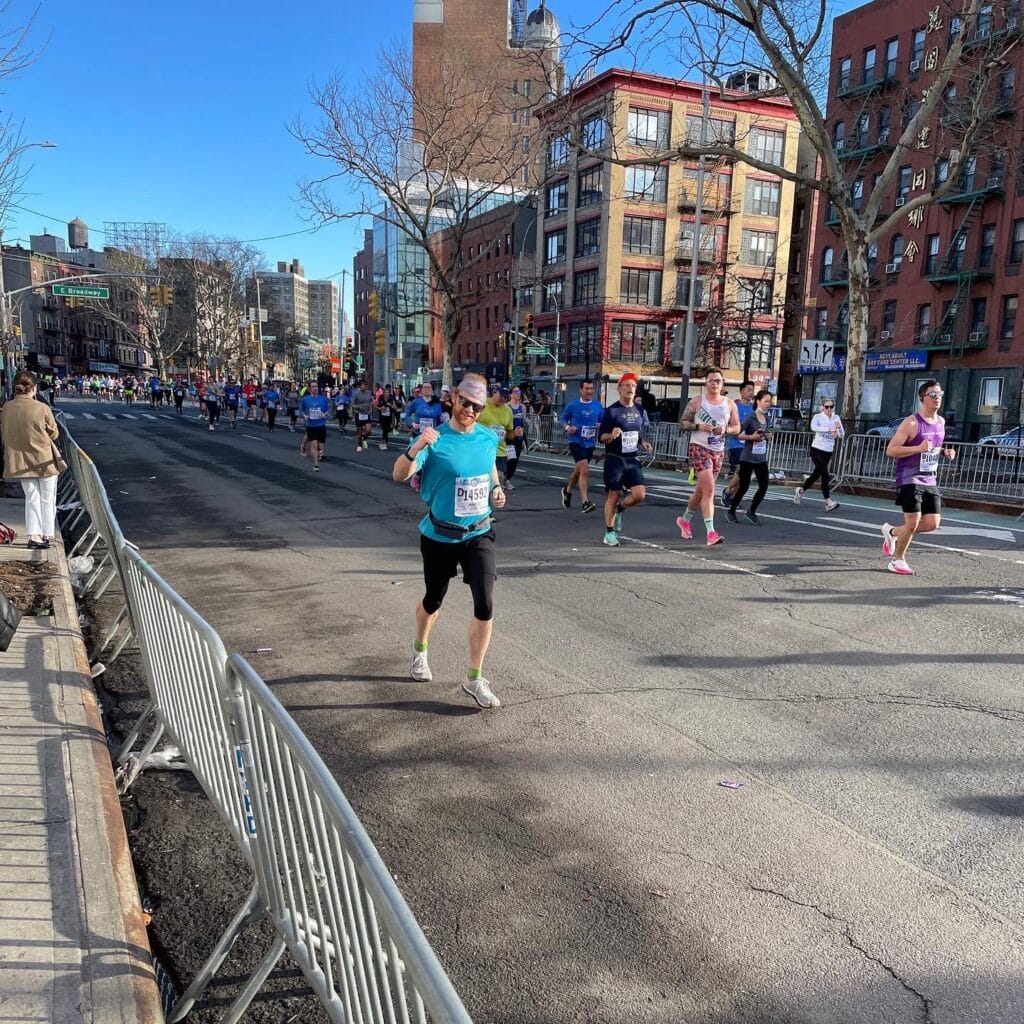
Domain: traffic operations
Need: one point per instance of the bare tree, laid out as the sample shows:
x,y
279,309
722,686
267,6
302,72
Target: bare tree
x,y
423,159
787,39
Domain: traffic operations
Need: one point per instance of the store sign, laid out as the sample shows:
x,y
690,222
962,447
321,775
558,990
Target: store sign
x,y
897,359
97,367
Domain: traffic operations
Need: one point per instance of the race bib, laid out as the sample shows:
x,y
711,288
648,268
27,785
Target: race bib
x,y
588,433
424,422
512,453
716,442
271,405
471,493
759,448
930,462
362,416
630,439
499,432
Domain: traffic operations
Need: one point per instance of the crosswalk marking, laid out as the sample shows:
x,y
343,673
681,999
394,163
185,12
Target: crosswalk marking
x,y
69,415
109,416
88,416
147,416
129,416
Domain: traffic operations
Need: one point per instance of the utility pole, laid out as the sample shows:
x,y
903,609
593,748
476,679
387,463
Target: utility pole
x,y
341,324
259,323
688,337
5,333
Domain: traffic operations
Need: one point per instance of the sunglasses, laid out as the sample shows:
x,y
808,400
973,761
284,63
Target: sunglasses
x,y
828,407
471,406
934,394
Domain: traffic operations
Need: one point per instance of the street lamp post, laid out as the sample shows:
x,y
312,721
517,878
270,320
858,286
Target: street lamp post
x,y
509,341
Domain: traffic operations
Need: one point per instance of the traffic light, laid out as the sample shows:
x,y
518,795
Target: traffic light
x,y
521,343
380,339
373,306
155,294
72,302
529,325
166,295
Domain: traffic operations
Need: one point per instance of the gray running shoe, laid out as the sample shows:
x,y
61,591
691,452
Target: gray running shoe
x,y
566,497
480,691
420,669
751,517
587,506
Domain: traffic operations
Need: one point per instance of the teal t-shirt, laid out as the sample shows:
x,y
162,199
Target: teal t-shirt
x,y
455,479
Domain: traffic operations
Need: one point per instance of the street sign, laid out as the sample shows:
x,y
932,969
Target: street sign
x,y
537,350
269,337
817,354
81,291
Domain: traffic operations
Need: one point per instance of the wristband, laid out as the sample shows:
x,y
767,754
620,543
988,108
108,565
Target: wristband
x,y
411,458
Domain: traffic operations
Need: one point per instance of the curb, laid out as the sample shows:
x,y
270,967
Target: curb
x,y
118,979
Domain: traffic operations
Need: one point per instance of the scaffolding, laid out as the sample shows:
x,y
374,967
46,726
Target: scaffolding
x,y
145,238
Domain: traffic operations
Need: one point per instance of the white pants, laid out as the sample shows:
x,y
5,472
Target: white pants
x,y
40,505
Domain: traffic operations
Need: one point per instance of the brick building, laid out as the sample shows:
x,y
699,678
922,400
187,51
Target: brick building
x,y
945,283
616,243
364,325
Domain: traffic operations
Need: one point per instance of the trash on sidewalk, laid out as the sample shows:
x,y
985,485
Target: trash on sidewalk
x,y
81,564
168,759
97,670
659,893
69,506
264,650
731,784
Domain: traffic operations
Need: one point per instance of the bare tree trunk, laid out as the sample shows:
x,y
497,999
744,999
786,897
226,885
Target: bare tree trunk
x,y
857,331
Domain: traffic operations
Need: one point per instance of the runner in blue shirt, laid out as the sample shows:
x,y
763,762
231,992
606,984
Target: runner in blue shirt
x,y
621,432
232,396
460,487
581,418
273,399
424,411
314,409
734,446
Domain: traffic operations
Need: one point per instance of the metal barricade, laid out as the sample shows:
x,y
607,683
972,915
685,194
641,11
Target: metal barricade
x,y
789,452
331,899
317,876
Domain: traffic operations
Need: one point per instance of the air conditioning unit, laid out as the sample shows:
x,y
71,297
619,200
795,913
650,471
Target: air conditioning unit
x,y
994,182
886,335
915,65
946,339
892,268
976,337
901,201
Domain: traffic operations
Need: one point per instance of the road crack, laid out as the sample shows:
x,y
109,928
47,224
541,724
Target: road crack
x,y
924,1002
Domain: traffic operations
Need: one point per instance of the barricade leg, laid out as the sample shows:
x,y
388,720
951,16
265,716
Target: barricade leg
x,y
132,765
108,637
255,983
250,911
136,730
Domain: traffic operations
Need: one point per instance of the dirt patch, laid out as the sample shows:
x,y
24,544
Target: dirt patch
x,y
30,586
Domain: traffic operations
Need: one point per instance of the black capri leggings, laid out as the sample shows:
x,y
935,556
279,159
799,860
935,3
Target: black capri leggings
x,y
758,469
821,459
441,561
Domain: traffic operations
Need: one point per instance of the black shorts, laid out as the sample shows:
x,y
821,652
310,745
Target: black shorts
x,y
734,458
318,434
923,498
581,453
621,474
232,406
441,562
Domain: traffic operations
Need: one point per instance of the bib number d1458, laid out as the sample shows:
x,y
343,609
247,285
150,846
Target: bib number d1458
x,y
471,494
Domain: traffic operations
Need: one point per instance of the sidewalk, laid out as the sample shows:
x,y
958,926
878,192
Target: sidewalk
x,y
73,943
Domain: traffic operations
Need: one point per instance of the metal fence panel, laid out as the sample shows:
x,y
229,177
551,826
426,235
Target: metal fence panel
x,y
324,884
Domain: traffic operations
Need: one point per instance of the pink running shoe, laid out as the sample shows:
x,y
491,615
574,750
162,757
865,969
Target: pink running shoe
x,y
714,537
888,540
684,528
900,567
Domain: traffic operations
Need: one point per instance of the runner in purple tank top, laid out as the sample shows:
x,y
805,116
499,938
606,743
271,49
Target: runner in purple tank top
x,y
917,447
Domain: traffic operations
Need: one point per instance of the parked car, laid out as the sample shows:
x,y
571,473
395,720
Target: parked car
x,y
1010,443
885,429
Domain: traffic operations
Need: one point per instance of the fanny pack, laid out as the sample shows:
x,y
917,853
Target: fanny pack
x,y
454,530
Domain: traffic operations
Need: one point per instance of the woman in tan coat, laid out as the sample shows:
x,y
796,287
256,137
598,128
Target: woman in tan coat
x,y
30,457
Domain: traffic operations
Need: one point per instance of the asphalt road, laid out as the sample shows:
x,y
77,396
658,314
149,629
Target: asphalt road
x,y
573,856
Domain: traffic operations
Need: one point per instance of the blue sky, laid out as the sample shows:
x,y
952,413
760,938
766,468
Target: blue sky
x,y
178,114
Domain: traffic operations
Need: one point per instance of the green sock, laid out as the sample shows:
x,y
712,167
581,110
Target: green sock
x,y
687,515
709,524
474,674
417,646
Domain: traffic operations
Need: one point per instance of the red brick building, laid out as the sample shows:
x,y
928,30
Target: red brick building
x,y
365,326
946,282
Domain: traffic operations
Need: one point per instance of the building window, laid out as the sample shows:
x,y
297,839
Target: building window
x,y
892,52
553,295
640,287
827,260
584,342
632,342
558,151
931,262
646,184
648,128
584,288
888,319
754,295
644,236
593,133
683,292
557,198
1017,241
526,88
767,145
869,64
903,179
844,75
990,397
588,186
719,131
821,323
757,247
917,46
839,136
554,247
923,324
762,198
712,243
986,250
1008,318
858,195
896,246
588,237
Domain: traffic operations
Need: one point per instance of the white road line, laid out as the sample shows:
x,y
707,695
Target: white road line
x,y
993,533
68,415
109,416
129,416
148,416
88,416
695,557
255,437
